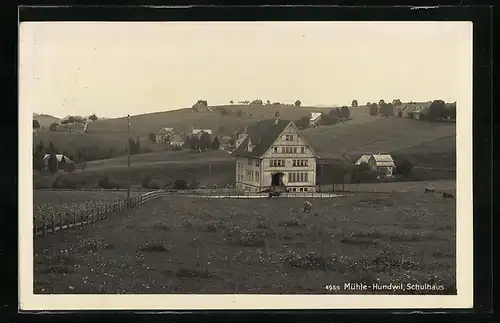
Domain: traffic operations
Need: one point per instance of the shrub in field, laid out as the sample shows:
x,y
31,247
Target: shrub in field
x,y
363,173
180,184
403,165
146,181
107,183
64,182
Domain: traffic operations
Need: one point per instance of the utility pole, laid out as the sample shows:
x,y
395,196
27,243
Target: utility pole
x,y
128,160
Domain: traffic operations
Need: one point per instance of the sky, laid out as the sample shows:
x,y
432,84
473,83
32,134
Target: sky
x,y
117,68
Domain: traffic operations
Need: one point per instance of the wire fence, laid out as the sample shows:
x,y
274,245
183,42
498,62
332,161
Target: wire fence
x,y
57,222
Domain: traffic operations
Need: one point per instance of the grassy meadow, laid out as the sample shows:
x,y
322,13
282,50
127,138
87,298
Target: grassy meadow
x,y
185,245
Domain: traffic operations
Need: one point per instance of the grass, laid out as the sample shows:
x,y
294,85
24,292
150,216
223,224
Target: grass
x,y
366,134
65,203
182,245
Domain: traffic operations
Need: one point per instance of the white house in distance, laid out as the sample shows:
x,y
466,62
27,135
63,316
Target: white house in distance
x,y
314,119
275,152
163,135
200,132
383,164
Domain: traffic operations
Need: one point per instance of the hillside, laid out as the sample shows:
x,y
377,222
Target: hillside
x,y
184,119
45,120
365,135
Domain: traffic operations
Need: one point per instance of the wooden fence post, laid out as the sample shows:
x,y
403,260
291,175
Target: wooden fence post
x,y
44,224
53,223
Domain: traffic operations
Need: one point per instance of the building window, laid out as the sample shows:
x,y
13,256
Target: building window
x,y
296,177
301,189
257,162
275,149
276,163
294,189
249,176
300,163
302,150
257,176
289,137
294,150
249,162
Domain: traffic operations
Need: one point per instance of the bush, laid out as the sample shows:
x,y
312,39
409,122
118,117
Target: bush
x,y
156,185
302,123
146,181
403,165
107,183
363,174
329,119
63,182
180,184
224,111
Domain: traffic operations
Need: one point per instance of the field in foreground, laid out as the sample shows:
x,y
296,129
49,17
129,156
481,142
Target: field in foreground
x,y
182,245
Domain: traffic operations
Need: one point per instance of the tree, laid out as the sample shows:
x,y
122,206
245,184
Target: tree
x,y
256,102
403,165
268,102
354,103
152,137
368,104
137,146
69,167
298,103
303,122
53,164
53,126
215,143
205,141
231,101
374,109
450,110
386,109
381,102
436,110
93,118
345,112
39,154
36,124
396,102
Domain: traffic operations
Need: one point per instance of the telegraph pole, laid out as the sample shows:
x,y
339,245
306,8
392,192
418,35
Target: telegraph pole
x,y
128,160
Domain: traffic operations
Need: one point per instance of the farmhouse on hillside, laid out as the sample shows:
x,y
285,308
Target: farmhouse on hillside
x,y
382,164
275,153
314,119
412,110
226,142
176,140
61,160
163,135
200,132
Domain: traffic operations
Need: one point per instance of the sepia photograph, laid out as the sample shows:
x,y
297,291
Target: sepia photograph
x,y
246,159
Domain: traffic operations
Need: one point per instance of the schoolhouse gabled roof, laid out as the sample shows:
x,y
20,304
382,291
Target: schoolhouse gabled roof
x,y
261,134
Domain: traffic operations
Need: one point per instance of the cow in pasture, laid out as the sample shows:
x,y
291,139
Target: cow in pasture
x,y
428,190
447,195
214,187
307,206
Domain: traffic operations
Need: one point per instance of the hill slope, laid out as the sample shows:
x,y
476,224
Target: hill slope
x,y
45,120
184,119
368,135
